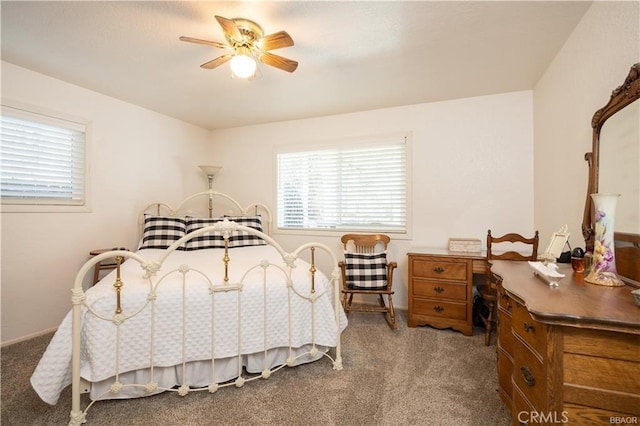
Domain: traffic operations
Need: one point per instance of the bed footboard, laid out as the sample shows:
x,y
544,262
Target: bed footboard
x,y
293,306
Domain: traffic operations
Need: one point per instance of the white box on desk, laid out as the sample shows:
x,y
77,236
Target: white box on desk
x,y
466,245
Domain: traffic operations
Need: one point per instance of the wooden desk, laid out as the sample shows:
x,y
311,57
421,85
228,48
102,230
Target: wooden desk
x,y
441,288
571,352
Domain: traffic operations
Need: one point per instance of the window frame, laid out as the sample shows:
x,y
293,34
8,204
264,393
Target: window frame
x,y
24,206
361,141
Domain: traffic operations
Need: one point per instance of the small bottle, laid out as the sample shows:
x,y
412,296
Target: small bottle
x,y
588,262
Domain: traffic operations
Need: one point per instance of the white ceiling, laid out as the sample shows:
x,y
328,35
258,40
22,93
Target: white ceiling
x,y
354,56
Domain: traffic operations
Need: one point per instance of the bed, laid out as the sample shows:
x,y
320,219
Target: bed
x,y
203,303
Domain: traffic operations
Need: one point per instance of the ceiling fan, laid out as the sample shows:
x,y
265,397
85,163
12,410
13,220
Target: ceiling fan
x,y
247,41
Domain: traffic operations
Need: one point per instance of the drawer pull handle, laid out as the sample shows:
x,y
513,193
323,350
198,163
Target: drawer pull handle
x,y
438,289
527,375
438,270
438,308
528,327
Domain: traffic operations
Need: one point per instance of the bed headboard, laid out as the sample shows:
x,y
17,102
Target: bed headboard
x,y
208,204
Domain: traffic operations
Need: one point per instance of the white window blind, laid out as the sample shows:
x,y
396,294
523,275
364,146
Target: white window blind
x,y
356,187
42,159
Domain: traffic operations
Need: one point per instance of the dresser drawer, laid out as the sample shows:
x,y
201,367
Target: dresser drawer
x,y
522,409
589,416
602,378
437,308
439,269
440,290
505,369
528,329
505,335
504,301
599,343
529,374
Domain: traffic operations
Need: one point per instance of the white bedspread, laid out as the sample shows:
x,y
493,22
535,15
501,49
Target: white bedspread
x,y
98,347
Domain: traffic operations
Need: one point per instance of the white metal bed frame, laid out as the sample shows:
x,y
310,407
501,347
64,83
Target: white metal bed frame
x,y
153,267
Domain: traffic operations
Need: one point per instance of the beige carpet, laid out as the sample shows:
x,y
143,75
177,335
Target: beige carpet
x,y
411,376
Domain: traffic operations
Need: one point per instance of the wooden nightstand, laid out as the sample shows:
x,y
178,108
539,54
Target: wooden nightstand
x,y
440,288
105,265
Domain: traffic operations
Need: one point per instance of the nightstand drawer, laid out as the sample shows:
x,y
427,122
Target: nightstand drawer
x,y
440,269
440,290
528,329
437,308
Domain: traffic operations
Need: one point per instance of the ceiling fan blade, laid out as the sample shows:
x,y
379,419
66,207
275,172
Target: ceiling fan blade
x,y
230,28
279,62
205,42
275,41
216,62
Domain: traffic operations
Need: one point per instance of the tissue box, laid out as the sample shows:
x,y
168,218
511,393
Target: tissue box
x,y
467,245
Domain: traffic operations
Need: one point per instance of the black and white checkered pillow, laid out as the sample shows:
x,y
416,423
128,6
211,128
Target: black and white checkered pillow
x,y
216,240
243,238
161,231
207,240
366,270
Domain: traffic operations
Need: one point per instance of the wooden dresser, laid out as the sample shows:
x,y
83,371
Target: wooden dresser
x,y
440,288
569,354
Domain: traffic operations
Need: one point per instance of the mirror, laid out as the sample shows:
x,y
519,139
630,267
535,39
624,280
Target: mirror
x,y
614,167
619,165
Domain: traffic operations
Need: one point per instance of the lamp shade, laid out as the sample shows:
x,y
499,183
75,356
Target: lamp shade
x,y
243,66
210,170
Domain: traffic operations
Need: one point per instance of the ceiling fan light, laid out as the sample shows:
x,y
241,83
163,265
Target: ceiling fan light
x,y
243,66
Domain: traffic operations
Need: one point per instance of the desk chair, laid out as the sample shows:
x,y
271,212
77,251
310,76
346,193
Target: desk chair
x,y
365,271
489,291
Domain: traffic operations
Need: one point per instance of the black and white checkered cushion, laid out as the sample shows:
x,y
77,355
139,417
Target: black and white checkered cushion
x,y
207,240
366,270
216,240
161,231
242,238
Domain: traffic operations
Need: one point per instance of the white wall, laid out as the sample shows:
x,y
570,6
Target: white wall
x,y
595,60
472,162
136,156
474,165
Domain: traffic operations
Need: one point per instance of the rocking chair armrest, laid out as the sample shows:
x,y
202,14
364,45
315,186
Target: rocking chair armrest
x,y
343,273
390,267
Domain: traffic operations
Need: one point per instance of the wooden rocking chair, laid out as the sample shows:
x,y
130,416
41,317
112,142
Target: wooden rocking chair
x,y
365,271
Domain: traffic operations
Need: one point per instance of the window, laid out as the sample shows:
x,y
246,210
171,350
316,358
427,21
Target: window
x,y
42,159
356,186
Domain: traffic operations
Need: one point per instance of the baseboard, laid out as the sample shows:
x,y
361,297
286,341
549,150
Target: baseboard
x,y
27,337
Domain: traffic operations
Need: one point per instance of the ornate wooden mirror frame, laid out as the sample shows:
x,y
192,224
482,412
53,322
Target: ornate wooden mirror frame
x,y
627,244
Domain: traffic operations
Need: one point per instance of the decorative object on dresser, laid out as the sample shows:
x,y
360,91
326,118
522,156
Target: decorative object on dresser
x,y
204,303
570,352
604,271
559,240
614,168
465,245
440,288
489,290
366,272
